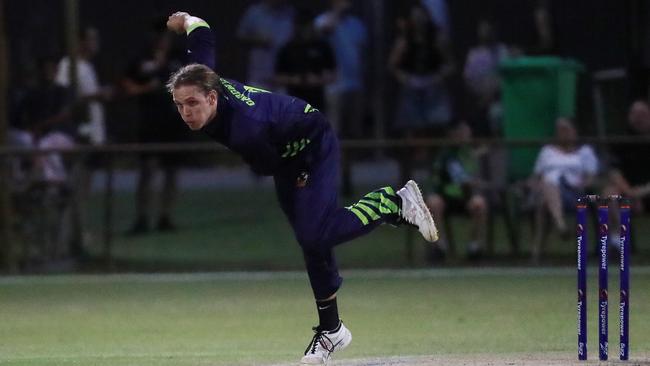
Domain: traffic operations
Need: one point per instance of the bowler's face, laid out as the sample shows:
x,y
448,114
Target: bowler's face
x,y
195,107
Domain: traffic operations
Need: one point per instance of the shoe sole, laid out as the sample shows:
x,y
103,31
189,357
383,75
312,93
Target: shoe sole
x,y
432,234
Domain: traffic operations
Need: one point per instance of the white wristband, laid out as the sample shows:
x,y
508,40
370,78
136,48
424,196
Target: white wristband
x,y
190,21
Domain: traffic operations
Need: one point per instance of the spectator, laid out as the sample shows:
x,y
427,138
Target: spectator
x,y
265,28
306,64
158,123
544,33
90,94
563,172
345,96
481,76
88,115
41,119
348,37
458,188
43,106
421,64
45,115
629,176
41,181
439,13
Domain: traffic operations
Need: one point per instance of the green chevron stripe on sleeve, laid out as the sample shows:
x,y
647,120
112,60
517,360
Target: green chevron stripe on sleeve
x,y
293,148
358,213
286,153
310,109
373,215
296,148
253,89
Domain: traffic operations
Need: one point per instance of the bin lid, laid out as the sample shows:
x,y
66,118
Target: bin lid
x,y
539,63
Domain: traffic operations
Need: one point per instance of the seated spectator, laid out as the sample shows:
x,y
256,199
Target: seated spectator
x,y
563,172
41,118
40,183
629,175
457,187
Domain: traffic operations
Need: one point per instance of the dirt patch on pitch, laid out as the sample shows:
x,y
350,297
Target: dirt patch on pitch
x,y
489,360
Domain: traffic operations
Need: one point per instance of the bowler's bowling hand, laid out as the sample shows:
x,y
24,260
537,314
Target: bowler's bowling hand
x,y
176,22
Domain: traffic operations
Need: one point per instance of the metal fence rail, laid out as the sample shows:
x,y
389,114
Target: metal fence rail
x,y
345,144
114,152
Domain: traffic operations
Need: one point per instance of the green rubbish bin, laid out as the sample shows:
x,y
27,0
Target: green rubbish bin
x,y
535,91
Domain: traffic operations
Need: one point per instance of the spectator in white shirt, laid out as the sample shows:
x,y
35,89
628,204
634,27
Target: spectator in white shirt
x,y
88,115
89,93
563,172
265,28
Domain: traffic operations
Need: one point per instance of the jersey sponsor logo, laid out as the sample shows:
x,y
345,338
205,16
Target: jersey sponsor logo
x,y
241,96
310,109
253,89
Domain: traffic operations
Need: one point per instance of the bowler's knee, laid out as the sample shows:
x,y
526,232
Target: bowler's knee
x,y
310,241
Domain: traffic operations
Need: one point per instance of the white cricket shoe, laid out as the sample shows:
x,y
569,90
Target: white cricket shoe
x,y
324,343
415,211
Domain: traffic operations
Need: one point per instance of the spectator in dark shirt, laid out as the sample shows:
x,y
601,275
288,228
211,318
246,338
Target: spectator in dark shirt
x,y
158,123
41,119
306,64
421,65
41,115
266,26
545,43
43,106
457,187
348,37
629,175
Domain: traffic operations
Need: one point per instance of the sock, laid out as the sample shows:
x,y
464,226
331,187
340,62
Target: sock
x,y
328,314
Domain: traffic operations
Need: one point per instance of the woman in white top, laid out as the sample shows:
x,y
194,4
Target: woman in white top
x,y
562,173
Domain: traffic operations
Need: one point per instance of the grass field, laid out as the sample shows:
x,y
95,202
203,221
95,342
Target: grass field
x,y
263,318
233,230
245,230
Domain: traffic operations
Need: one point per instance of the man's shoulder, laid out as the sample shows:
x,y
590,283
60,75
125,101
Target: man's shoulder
x,y
354,22
587,149
255,9
249,96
